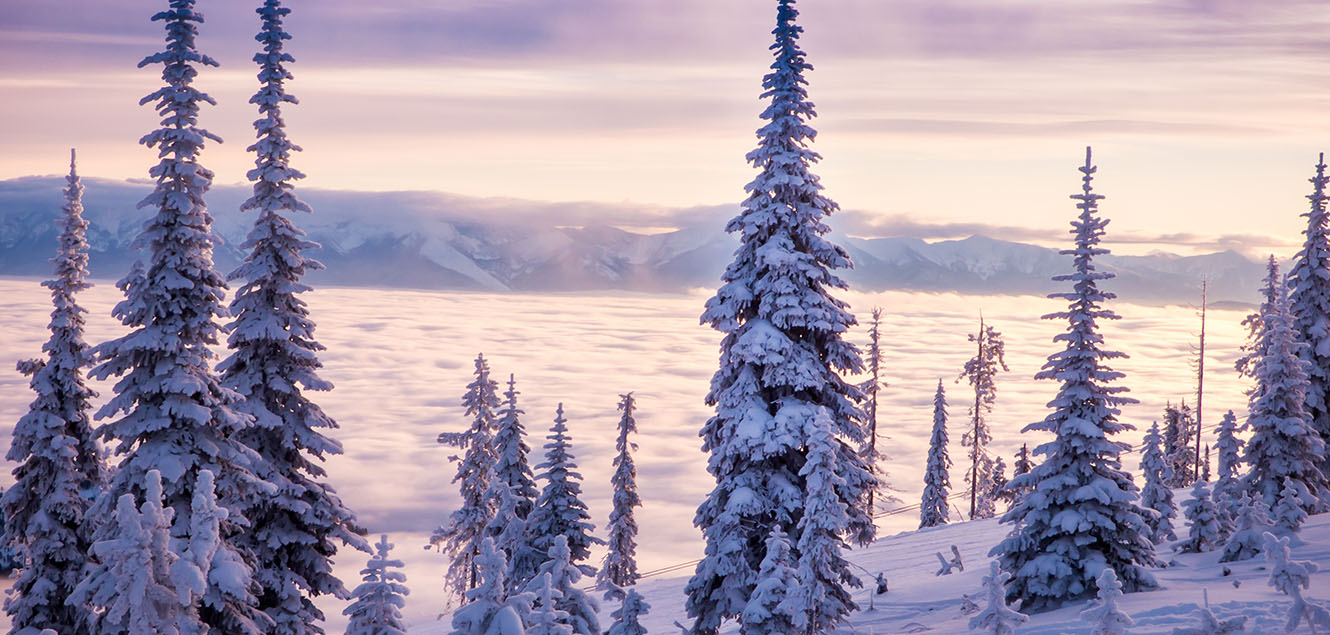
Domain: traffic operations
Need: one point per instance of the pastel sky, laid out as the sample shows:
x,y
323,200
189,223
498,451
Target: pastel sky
x,y
938,118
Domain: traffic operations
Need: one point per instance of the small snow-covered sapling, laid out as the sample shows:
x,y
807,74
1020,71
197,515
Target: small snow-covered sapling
x,y
1251,524
1290,577
1211,625
1104,613
997,617
1288,513
1205,533
968,607
954,565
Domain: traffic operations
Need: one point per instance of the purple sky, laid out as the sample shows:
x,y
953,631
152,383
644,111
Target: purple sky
x,y
938,117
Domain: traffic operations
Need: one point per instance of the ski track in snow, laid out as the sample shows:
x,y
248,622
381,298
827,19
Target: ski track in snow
x,y
401,359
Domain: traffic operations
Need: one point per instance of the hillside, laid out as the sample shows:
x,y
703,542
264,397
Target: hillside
x,y
921,602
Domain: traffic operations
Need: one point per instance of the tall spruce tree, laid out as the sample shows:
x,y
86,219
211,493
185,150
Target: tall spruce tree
x,y
1308,287
560,511
54,447
465,530
1283,445
1083,515
513,493
274,361
783,356
171,412
934,509
1156,495
620,568
981,372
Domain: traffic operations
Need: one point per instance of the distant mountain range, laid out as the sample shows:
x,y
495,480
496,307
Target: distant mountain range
x,y
438,241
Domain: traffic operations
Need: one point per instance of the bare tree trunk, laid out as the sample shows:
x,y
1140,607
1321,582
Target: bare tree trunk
x,y
875,361
974,440
1200,383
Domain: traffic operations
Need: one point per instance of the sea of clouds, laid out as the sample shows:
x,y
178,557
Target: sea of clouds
x,y
400,361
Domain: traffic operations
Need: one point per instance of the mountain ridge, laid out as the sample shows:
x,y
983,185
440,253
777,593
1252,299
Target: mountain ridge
x,y
440,241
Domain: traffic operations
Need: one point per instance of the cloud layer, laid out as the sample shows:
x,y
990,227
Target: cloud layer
x,y
400,361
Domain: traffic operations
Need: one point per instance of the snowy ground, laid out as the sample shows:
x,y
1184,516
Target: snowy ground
x,y
400,360
920,598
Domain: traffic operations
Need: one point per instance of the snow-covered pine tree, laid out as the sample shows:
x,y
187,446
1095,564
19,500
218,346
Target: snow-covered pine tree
x,y
934,509
1023,465
873,455
821,598
1181,457
489,609
1308,288
628,617
560,511
513,493
997,618
1205,532
783,357
1250,524
54,447
1255,323
620,568
1205,468
11,556
1283,445
170,411
377,609
999,485
1103,614
1228,483
546,617
561,573
1054,561
1155,494
981,372
274,362
1172,437
1291,577
1288,512
129,586
465,530
767,611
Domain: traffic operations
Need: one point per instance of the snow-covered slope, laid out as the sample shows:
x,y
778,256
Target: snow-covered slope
x,y
439,241
921,602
